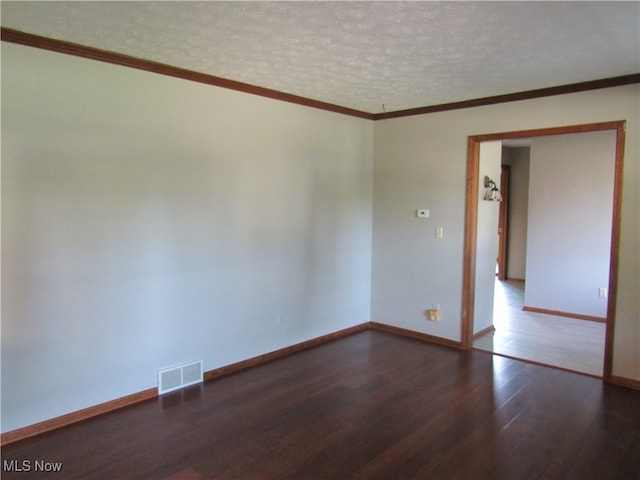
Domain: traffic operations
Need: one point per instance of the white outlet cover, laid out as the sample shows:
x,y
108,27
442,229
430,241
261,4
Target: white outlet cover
x,y
422,213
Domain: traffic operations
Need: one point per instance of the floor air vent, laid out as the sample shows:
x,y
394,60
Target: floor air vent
x,y
173,378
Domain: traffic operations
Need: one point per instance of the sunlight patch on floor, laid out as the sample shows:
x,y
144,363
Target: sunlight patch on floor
x,y
548,339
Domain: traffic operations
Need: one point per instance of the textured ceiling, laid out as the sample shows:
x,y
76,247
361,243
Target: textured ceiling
x,y
360,55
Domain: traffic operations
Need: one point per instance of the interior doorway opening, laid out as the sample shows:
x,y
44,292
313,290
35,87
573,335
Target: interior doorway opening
x,y
471,225
503,222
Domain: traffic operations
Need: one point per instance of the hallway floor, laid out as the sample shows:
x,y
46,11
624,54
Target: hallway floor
x,y
568,343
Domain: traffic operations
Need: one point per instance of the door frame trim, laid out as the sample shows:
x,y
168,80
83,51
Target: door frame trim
x,y
471,224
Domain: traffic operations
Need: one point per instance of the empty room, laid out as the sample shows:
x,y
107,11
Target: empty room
x,y
258,239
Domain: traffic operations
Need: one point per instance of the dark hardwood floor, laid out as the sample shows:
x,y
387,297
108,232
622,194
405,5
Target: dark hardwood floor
x,y
368,406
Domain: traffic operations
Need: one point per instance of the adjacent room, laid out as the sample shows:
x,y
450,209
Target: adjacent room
x,y
551,248
259,239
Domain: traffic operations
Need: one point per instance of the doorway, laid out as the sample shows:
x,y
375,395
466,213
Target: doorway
x,y
503,222
471,225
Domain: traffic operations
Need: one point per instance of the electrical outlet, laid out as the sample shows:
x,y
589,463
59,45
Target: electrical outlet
x,y
602,292
433,314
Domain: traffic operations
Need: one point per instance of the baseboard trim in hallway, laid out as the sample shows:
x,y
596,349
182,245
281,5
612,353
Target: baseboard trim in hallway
x,y
559,313
483,332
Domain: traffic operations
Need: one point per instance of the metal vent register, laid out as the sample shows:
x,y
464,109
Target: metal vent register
x,y
179,376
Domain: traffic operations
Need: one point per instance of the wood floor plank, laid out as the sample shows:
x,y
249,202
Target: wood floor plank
x,y
371,405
